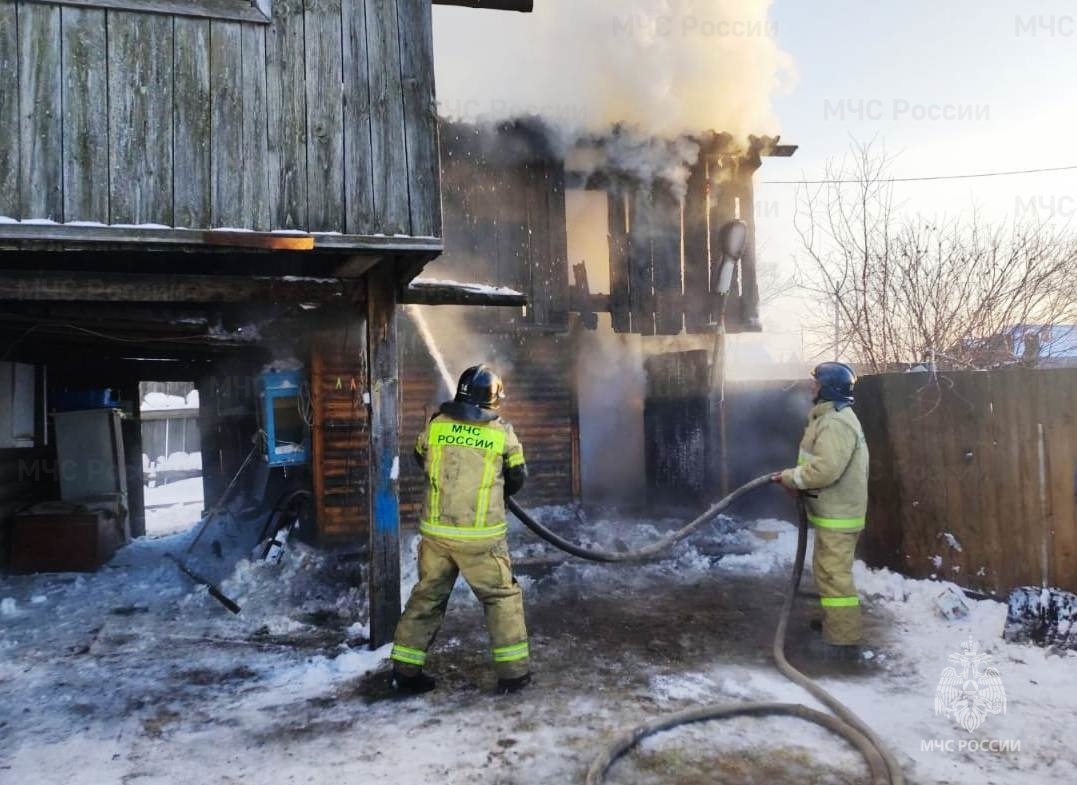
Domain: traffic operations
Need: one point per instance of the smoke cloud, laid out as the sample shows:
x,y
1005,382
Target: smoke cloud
x,y
663,66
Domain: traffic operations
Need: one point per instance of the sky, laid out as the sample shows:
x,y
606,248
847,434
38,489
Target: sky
x,y
948,87
945,86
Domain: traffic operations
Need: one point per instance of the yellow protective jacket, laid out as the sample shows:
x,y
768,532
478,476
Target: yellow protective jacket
x,y
833,469
464,464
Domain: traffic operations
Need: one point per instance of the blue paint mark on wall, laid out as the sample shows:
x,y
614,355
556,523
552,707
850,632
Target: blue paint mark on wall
x,y
386,511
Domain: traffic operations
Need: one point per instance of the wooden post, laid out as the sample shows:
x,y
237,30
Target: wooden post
x,y
696,252
132,448
618,239
666,260
384,585
640,263
749,303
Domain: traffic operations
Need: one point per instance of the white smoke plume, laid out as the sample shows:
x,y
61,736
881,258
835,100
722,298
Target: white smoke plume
x,y
663,66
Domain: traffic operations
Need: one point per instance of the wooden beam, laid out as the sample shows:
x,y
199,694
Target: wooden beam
x,y
64,286
257,12
666,260
453,293
384,477
523,6
618,240
696,252
18,236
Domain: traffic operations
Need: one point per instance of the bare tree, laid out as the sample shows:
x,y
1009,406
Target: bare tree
x,y
904,290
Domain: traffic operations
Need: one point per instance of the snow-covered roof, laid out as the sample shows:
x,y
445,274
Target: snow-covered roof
x,y
1057,341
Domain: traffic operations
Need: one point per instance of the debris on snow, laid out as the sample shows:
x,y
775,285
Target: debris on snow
x,y
1046,617
950,604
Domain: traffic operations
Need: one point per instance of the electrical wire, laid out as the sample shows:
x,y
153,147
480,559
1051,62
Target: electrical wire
x,y
924,179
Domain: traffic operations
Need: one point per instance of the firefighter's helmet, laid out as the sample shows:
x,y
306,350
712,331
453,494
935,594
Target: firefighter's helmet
x,y
480,386
836,383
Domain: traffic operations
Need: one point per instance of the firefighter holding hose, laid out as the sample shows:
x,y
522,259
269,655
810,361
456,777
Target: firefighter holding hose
x,y
832,475
472,460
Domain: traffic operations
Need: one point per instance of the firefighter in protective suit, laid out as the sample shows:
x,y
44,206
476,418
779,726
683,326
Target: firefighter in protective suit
x,y
832,475
472,461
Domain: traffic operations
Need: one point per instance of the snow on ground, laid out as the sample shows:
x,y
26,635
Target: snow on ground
x,y
132,675
174,507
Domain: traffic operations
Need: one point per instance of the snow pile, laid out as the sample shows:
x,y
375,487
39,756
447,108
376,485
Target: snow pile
x,y
308,587
160,402
177,462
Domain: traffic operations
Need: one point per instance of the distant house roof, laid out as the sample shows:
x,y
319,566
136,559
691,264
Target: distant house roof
x,y
1047,341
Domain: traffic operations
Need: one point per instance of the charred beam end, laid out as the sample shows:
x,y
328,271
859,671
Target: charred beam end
x,y
524,6
66,286
453,293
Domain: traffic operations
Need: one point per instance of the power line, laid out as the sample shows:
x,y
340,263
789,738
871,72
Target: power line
x,y
923,179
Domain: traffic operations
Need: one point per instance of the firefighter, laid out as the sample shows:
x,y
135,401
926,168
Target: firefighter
x,y
832,475
472,461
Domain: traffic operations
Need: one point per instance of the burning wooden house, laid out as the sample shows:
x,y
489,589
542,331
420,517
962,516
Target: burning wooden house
x,y
660,212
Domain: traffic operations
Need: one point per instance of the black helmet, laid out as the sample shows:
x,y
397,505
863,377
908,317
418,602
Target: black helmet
x,y
836,382
480,386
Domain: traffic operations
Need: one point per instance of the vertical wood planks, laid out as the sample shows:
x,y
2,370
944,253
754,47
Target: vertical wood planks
x,y
618,243
254,179
1060,406
9,111
140,118
749,288
325,115
287,112
723,209
323,120
640,267
384,481
420,116
696,251
192,123
557,287
226,135
971,466
85,115
40,115
666,258
388,142
538,241
358,166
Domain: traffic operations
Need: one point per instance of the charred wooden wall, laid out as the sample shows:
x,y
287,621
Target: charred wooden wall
x,y
665,248
538,372
699,447
504,201
320,119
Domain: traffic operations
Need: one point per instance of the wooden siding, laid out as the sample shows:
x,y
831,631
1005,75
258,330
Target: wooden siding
x,y
340,437
322,120
505,221
987,459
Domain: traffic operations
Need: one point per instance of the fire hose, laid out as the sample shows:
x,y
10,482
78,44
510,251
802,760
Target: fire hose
x,y
843,722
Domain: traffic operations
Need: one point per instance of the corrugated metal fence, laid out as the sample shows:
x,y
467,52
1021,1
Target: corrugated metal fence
x,y
974,476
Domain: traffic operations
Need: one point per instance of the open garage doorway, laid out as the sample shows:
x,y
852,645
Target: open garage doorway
x,y
171,456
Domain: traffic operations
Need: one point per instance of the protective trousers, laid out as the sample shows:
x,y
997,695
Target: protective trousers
x,y
832,564
487,568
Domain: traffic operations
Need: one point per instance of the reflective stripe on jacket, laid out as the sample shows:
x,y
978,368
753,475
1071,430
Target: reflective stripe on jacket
x,y
464,464
833,468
